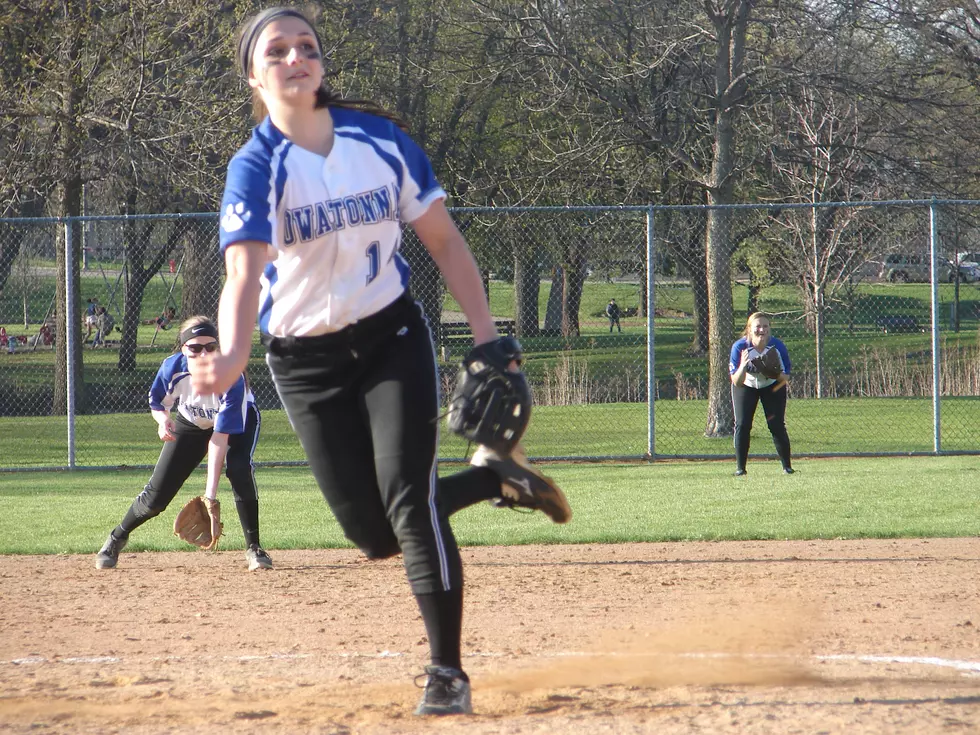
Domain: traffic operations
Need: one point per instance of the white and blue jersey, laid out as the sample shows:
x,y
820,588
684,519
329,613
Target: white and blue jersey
x,y
335,222
224,413
752,378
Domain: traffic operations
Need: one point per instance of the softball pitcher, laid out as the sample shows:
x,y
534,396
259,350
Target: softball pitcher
x,y
310,229
218,427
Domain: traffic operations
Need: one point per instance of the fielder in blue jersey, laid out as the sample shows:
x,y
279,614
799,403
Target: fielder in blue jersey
x,y
192,425
311,223
749,387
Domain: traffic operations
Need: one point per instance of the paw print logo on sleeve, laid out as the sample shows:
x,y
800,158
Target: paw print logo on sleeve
x,y
235,217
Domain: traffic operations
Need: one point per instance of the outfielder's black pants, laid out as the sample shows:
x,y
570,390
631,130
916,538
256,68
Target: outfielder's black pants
x,y
744,401
179,458
364,402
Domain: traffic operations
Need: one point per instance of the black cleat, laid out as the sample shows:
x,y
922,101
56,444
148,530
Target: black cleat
x,y
522,485
447,692
108,555
257,558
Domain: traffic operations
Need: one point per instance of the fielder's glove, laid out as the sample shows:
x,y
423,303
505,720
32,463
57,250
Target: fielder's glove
x,y
491,405
768,363
199,522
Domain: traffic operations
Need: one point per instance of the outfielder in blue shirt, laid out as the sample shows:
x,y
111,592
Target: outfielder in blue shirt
x,y
224,427
750,386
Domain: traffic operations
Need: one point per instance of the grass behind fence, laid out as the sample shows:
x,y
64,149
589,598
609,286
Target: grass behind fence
x,y
62,513
829,426
859,358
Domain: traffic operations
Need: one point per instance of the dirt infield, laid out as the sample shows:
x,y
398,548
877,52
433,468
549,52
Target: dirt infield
x,y
755,637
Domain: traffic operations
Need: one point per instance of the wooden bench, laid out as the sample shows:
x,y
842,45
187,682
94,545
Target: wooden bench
x,y
898,323
459,333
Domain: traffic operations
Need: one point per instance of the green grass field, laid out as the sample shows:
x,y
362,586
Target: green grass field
x,y
610,430
70,513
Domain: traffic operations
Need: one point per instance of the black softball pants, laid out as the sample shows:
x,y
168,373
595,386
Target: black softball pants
x,y
364,402
744,401
179,458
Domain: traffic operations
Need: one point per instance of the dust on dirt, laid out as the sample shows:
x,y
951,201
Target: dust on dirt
x,y
748,637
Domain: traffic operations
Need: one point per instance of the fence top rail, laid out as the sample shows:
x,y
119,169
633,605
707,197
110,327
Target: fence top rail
x,y
108,218
644,208
772,206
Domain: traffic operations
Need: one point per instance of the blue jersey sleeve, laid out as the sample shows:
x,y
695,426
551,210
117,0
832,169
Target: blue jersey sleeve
x,y
248,201
735,359
231,414
424,188
160,398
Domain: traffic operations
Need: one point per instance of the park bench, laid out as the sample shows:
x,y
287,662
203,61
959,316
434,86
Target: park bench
x,y
898,323
457,337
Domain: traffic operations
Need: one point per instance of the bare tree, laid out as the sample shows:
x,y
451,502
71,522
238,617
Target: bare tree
x,y
822,161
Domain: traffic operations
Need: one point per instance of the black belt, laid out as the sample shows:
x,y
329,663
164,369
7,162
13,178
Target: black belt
x,y
371,324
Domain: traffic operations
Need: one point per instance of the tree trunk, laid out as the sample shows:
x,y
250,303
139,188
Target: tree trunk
x,y
815,284
730,31
699,292
721,419
527,289
752,302
552,312
574,277
202,272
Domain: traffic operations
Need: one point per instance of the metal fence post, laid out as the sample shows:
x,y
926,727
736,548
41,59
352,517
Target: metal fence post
x,y
934,297
651,363
70,343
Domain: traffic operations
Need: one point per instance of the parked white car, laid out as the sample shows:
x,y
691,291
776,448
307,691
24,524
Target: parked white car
x,y
969,265
969,272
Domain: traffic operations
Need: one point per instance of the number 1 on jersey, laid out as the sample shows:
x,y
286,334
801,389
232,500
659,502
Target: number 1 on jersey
x,y
373,254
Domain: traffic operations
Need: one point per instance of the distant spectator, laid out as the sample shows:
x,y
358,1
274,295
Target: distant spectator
x,y
90,316
103,324
165,320
612,313
45,336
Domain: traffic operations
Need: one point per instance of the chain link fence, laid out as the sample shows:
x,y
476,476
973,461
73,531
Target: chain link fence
x,y
885,359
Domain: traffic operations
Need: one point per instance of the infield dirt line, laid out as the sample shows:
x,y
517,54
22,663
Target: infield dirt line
x,y
970,667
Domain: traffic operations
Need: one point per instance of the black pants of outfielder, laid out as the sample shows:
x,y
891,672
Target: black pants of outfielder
x,y
179,458
744,401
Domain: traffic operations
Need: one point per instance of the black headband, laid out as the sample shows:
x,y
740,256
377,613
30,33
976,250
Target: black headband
x,y
204,329
249,37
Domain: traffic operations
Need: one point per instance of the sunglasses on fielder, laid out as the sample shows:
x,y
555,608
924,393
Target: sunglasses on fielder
x,y
197,349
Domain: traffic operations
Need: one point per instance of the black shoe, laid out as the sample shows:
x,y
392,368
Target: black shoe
x,y
257,558
740,471
447,692
788,470
109,553
522,485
